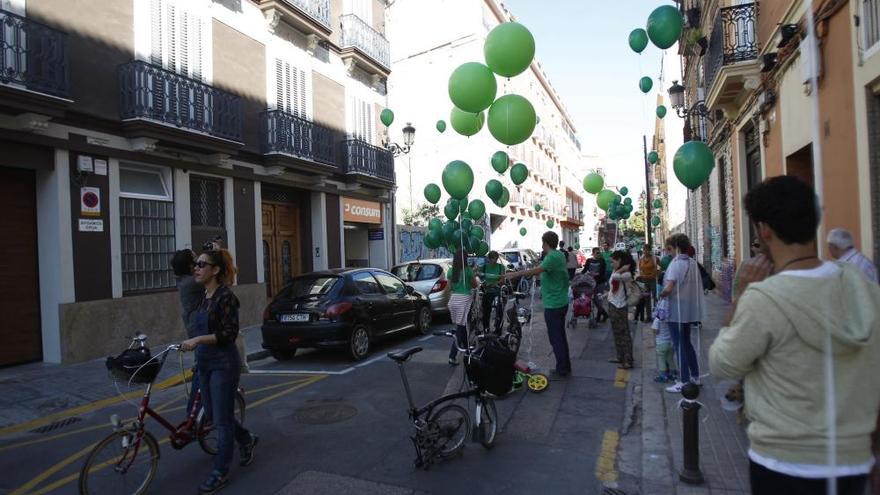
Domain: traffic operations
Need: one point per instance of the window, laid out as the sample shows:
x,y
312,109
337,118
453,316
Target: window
x,y
365,283
291,89
391,284
871,24
177,37
207,210
146,218
360,8
309,287
415,272
360,119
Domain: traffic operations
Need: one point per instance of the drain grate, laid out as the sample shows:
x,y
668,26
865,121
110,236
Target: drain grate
x,y
56,425
613,491
325,414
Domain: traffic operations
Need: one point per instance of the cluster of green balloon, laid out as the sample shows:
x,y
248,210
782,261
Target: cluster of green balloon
x,y
693,163
593,183
499,194
617,207
459,231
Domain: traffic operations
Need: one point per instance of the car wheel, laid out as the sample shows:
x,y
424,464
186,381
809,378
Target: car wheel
x,y
359,343
423,320
285,355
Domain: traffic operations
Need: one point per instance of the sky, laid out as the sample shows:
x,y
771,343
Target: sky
x,y
582,46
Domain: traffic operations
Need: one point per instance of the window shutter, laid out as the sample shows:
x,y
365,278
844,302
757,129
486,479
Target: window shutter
x,y
156,32
184,42
172,37
303,108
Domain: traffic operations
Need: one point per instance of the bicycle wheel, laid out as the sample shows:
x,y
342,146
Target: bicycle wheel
x,y
454,424
205,431
488,422
120,464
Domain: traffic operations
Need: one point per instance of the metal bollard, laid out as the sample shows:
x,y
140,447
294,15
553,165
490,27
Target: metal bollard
x,y
690,428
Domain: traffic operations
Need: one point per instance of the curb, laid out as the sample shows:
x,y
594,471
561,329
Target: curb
x,y
257,355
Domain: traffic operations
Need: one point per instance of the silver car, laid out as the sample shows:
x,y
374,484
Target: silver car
x,y
427,277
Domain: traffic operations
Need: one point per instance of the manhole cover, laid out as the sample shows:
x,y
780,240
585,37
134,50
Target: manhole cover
x,y
325,414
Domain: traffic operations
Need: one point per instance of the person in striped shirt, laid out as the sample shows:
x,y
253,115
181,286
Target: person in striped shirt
x,y
842,248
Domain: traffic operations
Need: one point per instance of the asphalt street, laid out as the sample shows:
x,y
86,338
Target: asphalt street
x,y
328,425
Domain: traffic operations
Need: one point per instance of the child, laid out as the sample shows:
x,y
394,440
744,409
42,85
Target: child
x,y
666,369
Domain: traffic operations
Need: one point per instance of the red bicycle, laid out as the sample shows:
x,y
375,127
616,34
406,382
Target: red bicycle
x,y
126,460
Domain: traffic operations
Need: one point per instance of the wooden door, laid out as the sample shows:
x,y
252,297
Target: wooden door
x,y
281,245
20,336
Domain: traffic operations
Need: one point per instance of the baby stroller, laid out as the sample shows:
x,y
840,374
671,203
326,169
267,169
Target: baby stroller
x,y
583,290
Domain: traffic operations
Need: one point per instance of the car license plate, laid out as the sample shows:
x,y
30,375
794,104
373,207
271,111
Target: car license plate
x,y
296,317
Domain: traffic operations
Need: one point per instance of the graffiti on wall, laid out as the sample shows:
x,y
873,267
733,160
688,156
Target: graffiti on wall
x,y
715,245
411,245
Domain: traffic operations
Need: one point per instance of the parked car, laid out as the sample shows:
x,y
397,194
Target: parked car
x,y
347,308
428,277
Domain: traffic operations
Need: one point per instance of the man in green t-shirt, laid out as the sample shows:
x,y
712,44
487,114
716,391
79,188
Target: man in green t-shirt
x,y
490,274
554,292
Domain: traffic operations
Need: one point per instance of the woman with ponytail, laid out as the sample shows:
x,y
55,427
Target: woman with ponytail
x,y
218,362
462,281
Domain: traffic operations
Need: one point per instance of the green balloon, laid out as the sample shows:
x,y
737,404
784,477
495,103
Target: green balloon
x,y
472,87
454,202
458,236
577,245
655,221
448,230
458,179
387,117
466,123
664,26
500,162
482,248
504,199
693,164
522,231
478,232
519,173
511,119
638,40
466,224
433,239
463,205
593,183
661,111
494,189
477,209
451,211
624,191
538,207
509,49
658,203
435,224
432,193
628,207
627,201
549,224
653,157
616,200
441,126
645,84
604,198
452,247
473,244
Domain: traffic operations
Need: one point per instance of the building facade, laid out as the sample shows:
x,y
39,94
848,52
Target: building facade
x,y
428,42
754,77
659,187
167,124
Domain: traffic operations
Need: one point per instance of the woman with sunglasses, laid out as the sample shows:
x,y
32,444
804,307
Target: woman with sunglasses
x,y
218,362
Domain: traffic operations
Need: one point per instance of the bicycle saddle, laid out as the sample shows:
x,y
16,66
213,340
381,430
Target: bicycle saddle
x,y
404,355
520,295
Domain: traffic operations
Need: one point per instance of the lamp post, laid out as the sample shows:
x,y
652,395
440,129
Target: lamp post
x,y
409,136
698,109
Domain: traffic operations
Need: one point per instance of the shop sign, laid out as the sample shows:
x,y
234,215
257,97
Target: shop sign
x,y
358,210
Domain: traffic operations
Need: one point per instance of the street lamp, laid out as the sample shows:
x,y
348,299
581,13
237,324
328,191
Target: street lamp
x,y
409,135
676,97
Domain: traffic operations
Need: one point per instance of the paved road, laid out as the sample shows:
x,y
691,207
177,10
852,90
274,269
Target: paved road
x,y
328,425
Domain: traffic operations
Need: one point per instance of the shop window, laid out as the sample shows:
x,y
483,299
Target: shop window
x,y
146,217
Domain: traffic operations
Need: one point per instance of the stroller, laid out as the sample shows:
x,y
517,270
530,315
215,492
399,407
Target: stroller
x,y
583,292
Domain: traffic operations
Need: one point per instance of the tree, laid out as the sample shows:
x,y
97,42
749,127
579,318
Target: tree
x,y
421,215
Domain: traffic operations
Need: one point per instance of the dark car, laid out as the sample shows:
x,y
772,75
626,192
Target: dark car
x,y
345,308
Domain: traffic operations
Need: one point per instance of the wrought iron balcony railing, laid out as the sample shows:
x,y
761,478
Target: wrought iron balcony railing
x,y
366,159
150,92
358,34
292,135
32,55
733,39
319,10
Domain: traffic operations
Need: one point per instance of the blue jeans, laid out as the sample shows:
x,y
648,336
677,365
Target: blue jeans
x,y
194,387
218,387
460,338
555,320
684,349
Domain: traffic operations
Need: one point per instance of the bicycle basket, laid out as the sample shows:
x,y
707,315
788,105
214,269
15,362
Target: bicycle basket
x,y
490,367
134,365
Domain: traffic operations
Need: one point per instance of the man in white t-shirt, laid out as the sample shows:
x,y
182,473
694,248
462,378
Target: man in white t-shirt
x,y
798,324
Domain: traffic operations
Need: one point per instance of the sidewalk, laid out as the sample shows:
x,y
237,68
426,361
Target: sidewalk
x,y
38,390
658,450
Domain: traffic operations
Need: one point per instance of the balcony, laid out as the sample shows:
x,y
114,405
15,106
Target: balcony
x,y
154,101
292,136
364,45
33,61
732,56
308,16
371,162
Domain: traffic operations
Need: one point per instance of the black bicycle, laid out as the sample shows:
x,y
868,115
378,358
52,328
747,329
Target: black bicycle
x,y
441,426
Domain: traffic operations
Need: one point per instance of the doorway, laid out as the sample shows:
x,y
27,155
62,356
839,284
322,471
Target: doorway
x,y
753,169
281,245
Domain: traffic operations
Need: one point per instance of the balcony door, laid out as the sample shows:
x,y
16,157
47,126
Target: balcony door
x,y
360,8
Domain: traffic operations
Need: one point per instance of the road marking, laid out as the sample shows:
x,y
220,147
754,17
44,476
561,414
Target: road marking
x,y
92,406
621,377
301,372
375,359
605,471
84,452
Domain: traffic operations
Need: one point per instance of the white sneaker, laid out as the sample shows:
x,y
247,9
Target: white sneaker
x,y
675,389
696,381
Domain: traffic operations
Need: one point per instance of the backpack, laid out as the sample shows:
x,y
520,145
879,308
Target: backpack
x,y
632,293
708,283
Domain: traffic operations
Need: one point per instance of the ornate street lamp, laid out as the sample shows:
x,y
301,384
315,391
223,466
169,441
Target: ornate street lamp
x,y
409,136
676,97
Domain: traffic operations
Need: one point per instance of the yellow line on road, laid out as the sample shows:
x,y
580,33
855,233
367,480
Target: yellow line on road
x,y
82,453
621,377
605,471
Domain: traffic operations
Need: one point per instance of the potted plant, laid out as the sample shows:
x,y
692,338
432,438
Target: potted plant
x,y
696,39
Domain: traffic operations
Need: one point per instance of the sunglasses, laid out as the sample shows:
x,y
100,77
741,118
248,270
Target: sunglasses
x,y
202,264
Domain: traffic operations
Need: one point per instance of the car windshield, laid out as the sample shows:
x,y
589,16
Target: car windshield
x,y
310,287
